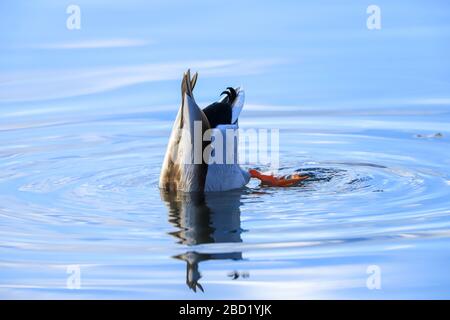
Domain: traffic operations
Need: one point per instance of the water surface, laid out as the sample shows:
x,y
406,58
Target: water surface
x,y
365,113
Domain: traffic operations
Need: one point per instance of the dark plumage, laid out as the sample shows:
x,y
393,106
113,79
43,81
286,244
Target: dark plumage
x,y
231,94
220,112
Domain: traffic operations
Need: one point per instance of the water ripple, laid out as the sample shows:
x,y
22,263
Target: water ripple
x,y
89,194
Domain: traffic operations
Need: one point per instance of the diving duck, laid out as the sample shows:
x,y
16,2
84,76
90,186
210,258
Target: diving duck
x,y
187,166
190,163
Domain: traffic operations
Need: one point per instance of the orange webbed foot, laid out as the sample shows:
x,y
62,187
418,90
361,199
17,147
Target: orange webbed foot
x,y
271,180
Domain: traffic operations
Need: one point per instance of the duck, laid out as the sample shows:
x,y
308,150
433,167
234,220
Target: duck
x,y
192,167
191,163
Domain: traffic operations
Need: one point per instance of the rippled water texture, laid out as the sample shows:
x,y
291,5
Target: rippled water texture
x,y
85,193
80,159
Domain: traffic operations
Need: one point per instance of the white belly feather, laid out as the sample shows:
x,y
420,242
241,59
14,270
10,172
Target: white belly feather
x,y
228,176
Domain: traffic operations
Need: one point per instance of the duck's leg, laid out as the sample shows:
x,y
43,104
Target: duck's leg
x,y
274,181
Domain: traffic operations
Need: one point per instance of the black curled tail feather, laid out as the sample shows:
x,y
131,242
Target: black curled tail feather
x,y
221,112
231,94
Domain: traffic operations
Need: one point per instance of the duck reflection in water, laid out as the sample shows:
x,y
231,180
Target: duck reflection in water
x,y
204,218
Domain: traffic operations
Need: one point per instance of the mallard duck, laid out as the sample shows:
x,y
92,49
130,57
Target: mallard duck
x,y
187,167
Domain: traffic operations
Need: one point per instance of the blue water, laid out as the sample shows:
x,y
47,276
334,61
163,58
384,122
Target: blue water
x,y
85,119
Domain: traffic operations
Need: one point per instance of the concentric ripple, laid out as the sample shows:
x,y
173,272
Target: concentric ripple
x,y
86,193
